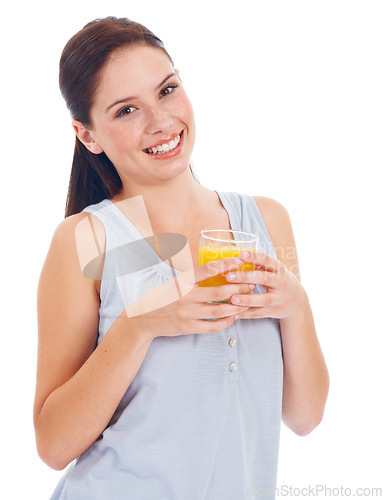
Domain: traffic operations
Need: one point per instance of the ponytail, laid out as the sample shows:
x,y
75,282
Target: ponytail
x,y
93,178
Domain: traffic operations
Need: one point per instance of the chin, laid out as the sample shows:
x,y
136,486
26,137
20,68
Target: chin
x,y
172,171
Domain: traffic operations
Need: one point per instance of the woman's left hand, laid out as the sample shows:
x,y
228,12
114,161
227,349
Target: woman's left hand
x,y
284,295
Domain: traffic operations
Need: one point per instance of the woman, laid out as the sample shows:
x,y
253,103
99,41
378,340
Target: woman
x,y
157,402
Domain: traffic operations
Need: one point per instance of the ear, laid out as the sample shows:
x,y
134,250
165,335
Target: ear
x,y
85,136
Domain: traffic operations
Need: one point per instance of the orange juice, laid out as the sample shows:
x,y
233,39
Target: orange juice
x,y
214,252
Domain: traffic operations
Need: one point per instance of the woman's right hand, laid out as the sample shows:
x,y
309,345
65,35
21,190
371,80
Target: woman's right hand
x,y
78,382
181,307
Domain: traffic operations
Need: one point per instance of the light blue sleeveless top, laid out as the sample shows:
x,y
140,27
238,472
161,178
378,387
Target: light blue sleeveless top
x,y
191,426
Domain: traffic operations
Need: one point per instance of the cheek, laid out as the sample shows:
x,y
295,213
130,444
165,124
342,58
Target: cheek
x,y
186,116
183,110
122,136
188,111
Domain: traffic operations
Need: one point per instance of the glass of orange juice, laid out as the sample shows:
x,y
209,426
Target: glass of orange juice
x,y
222,243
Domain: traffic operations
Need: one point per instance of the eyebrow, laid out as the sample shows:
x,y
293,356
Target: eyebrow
x,y
125,99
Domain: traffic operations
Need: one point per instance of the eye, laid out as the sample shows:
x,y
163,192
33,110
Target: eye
x,y
168,89
126,110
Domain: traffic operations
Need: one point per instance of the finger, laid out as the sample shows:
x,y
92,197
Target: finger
x,y
263,278
222,292
203,326
215,267
262,260
259,313
213,311
256,300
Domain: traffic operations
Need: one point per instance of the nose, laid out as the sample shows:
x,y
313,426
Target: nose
x,y
158,120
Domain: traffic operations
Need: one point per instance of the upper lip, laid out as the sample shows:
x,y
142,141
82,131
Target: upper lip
x,y
164,141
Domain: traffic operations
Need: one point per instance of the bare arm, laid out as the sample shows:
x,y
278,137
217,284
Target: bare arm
x,y
306,380
78,387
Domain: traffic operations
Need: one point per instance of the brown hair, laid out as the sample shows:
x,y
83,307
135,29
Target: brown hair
x,y
93,176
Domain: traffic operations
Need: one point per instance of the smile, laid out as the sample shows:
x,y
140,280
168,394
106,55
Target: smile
x,y
166,147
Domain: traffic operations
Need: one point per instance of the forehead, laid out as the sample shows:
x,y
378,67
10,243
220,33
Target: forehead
x,y
131,70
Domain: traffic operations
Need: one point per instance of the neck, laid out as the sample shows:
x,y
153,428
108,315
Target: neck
x,y
173,203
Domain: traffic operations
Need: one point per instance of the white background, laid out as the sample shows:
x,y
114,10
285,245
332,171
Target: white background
x,y
288,98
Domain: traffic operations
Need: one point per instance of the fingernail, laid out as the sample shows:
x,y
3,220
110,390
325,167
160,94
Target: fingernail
x,y
236,316
231,276
235,300
252,287
238,261
246,255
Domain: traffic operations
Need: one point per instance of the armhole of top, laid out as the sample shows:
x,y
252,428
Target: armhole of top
x,y
262,225
104,282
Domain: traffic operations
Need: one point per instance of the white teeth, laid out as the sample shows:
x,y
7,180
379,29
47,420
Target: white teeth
x,y
164,148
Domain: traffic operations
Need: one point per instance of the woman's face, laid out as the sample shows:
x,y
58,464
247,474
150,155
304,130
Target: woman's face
x,y
141,116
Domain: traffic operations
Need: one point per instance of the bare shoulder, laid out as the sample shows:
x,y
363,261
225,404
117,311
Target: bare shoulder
x,y
80,238
279,227
67,304
79,226
72,247
275,217
272,211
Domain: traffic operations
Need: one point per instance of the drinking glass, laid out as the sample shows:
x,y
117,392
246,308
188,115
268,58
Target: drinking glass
x,y
223,243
